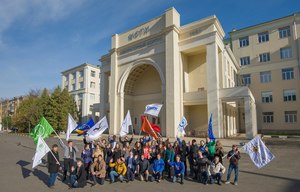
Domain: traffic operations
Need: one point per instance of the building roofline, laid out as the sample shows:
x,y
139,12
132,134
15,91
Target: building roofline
x,y
79,66
264,23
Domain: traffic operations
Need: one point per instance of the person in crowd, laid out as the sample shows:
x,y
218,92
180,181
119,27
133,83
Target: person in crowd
x,y
112,139
119,170
210,144
131,164
146,149
70,152
138,150
184,154
117,152
179,169
98,151
202,146
176,148
86,155
144,167
193,148
158,168
78,177
233,156
216,171
145,140
98,170
53,165
126,140
219,151
202,168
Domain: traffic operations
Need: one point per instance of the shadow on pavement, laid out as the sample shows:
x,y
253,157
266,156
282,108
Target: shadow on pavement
x,y
41,175
294,186
25,172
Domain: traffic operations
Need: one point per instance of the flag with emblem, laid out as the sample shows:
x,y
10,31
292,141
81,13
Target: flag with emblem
x,y
43,129
258,152
180,130
41,150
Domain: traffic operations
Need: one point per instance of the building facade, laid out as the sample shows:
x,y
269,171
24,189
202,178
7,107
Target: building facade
x,y
83,83
8,108
186,68
268,54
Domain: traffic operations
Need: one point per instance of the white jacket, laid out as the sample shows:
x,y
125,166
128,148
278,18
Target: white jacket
x,y
216,168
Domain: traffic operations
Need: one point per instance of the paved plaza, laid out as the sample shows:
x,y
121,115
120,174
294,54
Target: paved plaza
x,y
281,175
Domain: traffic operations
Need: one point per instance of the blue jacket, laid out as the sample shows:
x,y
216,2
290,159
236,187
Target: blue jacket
x,y
134,163
158,165
178,167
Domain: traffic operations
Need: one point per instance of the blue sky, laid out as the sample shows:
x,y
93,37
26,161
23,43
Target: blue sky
x,y
41,38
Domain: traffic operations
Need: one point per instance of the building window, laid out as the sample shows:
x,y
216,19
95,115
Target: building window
x,y
290,116
74,75
288,73
289,95
265,77
245,61
93,73
92,85
264,57
244,42
91,108
92,97
268,117
263,37
286,53
81,73
267,97
73,87
284,32
67,77
81,85
246,79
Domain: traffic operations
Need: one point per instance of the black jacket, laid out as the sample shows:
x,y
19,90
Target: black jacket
x,y
81,176
144,165
52,166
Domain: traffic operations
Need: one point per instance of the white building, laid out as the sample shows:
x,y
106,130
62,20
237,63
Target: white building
x,y
83,83
186,68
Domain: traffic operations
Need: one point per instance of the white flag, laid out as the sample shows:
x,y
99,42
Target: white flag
x,y
41,150
153,109
183,123
71,126
258,152
125,125
96,131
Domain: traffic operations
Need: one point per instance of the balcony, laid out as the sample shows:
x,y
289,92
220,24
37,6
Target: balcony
x,y
195,98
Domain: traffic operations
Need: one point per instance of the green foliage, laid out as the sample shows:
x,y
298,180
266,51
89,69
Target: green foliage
x,y
54,107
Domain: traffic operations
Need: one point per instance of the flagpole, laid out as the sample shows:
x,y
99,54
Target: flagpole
x,y
58,136
54,156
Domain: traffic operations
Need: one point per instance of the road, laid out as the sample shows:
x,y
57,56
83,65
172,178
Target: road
x,y
281,175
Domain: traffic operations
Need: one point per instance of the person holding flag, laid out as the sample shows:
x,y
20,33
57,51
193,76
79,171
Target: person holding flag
x,y
53,165
70,152
233,156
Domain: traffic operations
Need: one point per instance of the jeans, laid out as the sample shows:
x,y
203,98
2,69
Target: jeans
x,y
236,172
74,182
130,174
52,179
157,175
203,177
216,177
175,177
95,179
114,174
68,163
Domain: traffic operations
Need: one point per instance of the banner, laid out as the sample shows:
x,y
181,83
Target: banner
x,y
71,126
153,109
96,131
125,125
210,132
43,129
41,150
183,123
258,152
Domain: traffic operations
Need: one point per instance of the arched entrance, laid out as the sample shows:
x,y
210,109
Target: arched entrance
x,y
142,86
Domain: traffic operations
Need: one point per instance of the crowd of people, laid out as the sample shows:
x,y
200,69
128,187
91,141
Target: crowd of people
x,y
146,160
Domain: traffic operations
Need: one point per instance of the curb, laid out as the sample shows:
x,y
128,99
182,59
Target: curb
x,y
281,136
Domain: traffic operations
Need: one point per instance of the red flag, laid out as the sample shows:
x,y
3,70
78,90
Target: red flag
x,y
155,127
146,127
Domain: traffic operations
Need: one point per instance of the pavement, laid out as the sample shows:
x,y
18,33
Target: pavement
x,y
281,175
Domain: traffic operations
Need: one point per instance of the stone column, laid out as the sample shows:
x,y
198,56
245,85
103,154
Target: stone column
x,y
103,94
173,100
250,118
214,104
114,88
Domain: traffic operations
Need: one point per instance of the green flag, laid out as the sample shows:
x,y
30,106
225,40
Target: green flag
x,y
42,129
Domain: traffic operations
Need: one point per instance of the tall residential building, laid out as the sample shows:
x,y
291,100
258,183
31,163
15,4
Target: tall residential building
x,y
83,83
268,54
8,108
186,68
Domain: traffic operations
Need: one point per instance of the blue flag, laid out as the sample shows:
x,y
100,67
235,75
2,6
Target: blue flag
x,y
82,129
258,152
210,132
